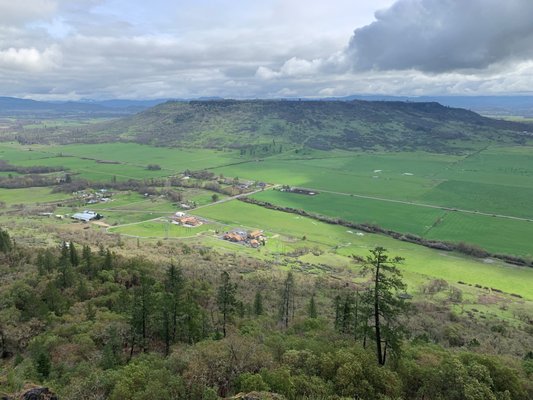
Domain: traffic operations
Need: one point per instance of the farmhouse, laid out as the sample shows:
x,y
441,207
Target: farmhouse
x,y
252,238
186,220
234,237
87,216
255,235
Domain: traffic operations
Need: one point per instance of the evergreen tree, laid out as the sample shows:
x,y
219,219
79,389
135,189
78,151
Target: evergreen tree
x,y
312,311
172,306
386,305
142,306
74,258
82,291
346,315
43,365
287,300
5,242
87,261
46,262
66,276
226,299
111,351
258,303
108,260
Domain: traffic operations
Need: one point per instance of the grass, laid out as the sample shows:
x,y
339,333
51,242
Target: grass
x,y
172,159
30,196
420,260
131,159
489,198
495,180
395,216
496,235
161,229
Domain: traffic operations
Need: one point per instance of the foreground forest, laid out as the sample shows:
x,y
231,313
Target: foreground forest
x,y
90,323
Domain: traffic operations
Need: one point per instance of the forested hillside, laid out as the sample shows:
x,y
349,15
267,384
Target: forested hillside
x,y
273,126
91,324
316,124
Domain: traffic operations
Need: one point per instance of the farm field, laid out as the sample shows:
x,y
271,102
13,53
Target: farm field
x,y
123,160
420,260
30,196
497,235
161,229
172,159
481,181
396,216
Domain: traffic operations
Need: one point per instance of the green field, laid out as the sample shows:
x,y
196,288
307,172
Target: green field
x,y
30,196
129,160
482,181
420,260
396,216
495,180
162,229
497,235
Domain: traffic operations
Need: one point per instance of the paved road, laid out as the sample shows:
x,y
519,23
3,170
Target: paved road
x,y
193,209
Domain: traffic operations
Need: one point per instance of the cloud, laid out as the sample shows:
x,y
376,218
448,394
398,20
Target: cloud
x,y
436,36
30,59
237,48
21,11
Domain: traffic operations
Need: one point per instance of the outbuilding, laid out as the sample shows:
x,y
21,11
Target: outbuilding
x,y
87,216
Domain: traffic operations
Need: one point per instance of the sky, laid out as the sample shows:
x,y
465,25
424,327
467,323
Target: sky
x,y
103,49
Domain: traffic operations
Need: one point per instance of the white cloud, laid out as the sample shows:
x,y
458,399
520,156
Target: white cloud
x,y
237,48
30,59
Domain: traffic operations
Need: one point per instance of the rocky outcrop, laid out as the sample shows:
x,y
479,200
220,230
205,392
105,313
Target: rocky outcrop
x,y
36,393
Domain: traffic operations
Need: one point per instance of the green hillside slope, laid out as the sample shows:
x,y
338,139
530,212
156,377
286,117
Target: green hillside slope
x,y
316,124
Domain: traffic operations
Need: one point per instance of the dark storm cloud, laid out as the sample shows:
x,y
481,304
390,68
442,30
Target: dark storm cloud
x,y
444,35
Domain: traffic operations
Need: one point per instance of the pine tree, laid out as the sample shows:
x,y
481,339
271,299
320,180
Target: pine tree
x,y
172,306
74,258
312,311
65,267
141,312
382,296
43,365
346,315
46,262
287,301
5,242
258,303
108,260
87,261
226,299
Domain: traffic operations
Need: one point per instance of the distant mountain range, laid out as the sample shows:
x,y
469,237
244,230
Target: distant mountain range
x,y
488,105
26,108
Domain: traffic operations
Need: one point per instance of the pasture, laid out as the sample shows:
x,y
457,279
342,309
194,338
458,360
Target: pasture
x,y
120,161
34,195
396,216
305,232
161,229
497,235
494,180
